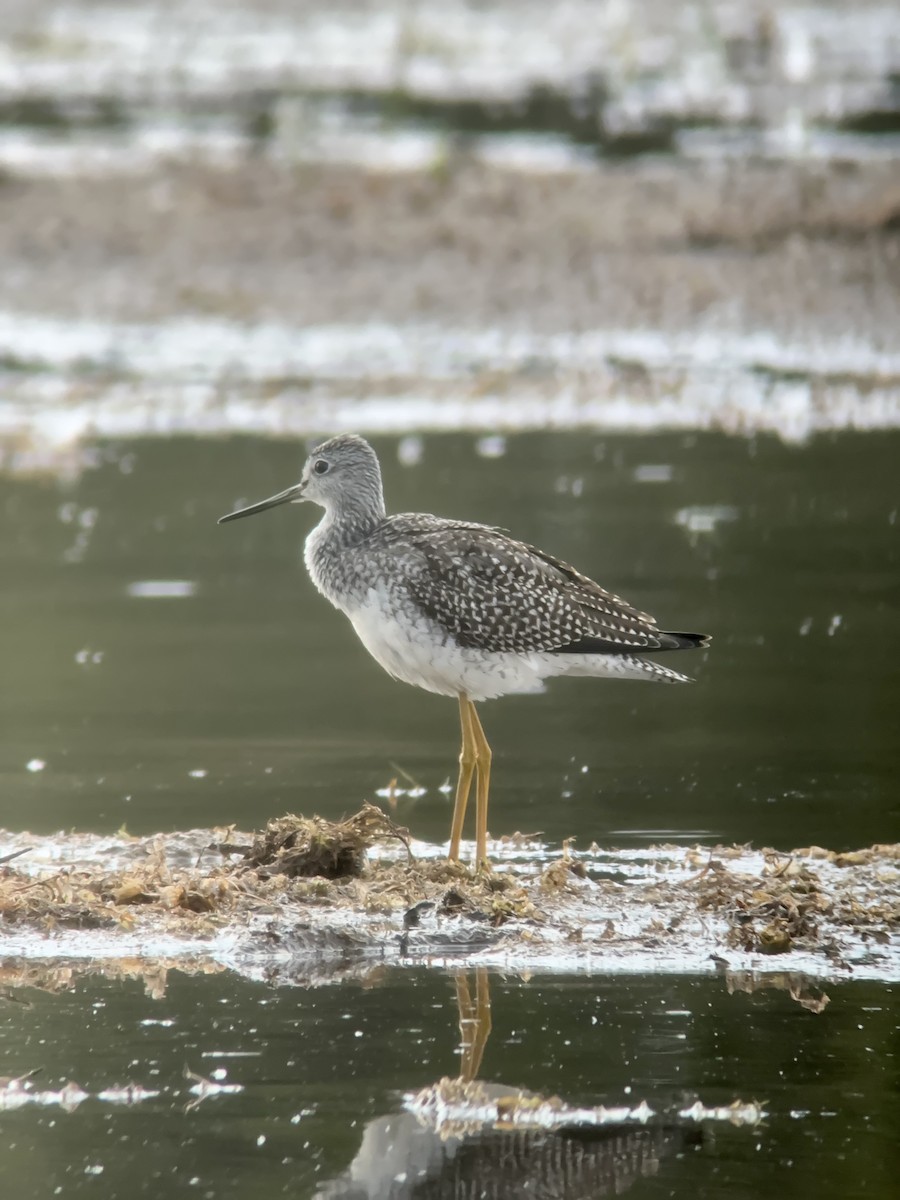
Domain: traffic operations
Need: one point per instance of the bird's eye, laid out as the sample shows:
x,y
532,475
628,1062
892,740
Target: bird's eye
x,y
320,466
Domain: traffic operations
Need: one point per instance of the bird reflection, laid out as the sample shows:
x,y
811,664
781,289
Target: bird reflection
x,y
474,1021
467,1145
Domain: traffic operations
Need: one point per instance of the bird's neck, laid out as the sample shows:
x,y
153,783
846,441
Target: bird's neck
x,y
347,523
328,549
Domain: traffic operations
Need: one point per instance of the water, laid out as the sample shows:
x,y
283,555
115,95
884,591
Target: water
x,y
317,1066
265,218
163,672
243,694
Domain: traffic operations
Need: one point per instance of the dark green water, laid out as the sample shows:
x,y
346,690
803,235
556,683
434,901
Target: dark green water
x,y
788,737
317,1066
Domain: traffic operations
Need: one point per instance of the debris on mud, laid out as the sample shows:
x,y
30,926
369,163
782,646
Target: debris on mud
x,y
785,907
458,1107
307,860
305,846
306,890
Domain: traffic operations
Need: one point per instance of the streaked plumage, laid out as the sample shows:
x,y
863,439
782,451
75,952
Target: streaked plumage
x,y
458,608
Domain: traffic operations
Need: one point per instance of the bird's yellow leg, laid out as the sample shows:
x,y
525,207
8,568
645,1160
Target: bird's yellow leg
x,y
482,1019
474,1021
464,782
466,1009
482,788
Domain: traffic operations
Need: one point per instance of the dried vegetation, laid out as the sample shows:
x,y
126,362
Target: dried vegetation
x,y
307,884
783,909
307,860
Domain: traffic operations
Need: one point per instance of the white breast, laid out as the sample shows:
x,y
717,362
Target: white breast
x,y
414,650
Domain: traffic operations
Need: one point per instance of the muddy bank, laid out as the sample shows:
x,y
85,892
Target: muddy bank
x,y
221,189
804,249
287,302
386,217
258,905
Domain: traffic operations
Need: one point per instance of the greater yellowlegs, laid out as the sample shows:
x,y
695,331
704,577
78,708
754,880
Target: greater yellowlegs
x,y
461,609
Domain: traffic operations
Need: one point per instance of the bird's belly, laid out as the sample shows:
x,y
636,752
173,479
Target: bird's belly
x,y
413,649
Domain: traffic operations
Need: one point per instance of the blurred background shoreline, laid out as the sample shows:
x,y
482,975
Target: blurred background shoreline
x,y
280,219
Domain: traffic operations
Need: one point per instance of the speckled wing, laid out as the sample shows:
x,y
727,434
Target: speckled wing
x,y
493,593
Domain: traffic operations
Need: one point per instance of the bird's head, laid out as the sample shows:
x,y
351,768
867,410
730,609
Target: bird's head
x,y
340,473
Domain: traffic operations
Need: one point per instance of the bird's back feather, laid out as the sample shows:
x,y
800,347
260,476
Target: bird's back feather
x,y
491,592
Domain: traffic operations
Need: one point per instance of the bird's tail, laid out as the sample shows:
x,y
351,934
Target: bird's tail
x,y
653,671
616,666
683,641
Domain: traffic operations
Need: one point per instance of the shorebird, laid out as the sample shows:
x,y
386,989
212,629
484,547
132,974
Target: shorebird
x,y
461,609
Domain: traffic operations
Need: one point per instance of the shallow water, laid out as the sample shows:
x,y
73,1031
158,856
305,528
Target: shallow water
x,y
163,673
317,1068
239,693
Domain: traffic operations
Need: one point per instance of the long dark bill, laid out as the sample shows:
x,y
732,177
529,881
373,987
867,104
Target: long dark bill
x,y
285,497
